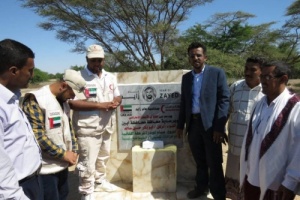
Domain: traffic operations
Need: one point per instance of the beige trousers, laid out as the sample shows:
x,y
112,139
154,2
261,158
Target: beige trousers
x,y
93,155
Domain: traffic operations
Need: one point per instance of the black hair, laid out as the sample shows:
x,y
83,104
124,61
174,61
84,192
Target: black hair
x,y
13,53
256,59
281,68
195,45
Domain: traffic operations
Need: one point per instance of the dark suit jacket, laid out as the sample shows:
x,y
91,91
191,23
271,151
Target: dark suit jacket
x,y
214,100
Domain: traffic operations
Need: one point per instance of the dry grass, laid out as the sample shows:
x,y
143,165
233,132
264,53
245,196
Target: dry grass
x,y
294,85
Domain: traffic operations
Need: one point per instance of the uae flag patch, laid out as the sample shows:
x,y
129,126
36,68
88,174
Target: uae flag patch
x,y
54,120
90,92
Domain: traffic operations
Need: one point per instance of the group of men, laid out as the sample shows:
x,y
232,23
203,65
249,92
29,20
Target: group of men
x,y
37,136
263,128
38,141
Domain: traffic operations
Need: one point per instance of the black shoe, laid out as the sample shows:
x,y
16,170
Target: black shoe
x,y
196,193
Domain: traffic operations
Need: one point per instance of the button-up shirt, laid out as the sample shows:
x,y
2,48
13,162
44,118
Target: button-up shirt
x,y
20,154
197,83
242,100
266,115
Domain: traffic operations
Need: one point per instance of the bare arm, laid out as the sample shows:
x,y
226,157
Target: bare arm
x,y
81,105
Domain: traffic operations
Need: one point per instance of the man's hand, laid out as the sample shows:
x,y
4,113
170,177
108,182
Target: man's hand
x,y
110,105
285,193
179,133
70,157
219,137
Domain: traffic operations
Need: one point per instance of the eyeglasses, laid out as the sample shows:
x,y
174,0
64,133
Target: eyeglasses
x,y
268,77
93,60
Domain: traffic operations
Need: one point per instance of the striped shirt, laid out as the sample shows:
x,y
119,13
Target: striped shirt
x,y
36,118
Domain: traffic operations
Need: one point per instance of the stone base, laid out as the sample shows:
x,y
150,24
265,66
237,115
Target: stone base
x,y
154,170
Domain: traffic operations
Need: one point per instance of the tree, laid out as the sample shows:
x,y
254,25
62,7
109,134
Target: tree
x,y
230,40
142,28
290,37
77,68
39,76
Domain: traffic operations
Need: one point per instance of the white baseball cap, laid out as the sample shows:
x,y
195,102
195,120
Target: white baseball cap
x,y
95,51
76,82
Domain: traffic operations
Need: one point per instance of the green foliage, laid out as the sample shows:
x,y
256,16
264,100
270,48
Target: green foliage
x,y
145,29
39,76
77,68
233,65
143,35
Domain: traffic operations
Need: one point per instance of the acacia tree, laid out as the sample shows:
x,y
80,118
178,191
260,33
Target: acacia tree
x,y
230,40
142,28
290,33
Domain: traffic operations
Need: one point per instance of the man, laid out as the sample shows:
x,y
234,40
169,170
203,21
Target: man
x,y
49,115
149,94
94,123
243,96
20,157
270,161
203,108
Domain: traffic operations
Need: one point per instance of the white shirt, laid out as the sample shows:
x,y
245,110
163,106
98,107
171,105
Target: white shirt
x,y
104,84
287,142
242,100
19,151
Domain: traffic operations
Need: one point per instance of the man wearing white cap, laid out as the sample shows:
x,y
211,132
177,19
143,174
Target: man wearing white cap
x,y
94,123
49,115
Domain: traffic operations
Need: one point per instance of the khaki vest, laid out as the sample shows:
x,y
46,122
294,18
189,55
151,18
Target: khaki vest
x,y
57,128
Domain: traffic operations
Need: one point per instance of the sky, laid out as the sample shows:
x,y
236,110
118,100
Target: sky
x,y
54,56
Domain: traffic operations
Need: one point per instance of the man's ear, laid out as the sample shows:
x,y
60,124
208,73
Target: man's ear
x,y
13,70
63,86
284,79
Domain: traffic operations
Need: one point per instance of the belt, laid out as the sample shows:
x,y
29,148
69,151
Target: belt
x,y
31,175
196,116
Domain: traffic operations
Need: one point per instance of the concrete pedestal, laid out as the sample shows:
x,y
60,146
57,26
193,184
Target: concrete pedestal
x,y
154,170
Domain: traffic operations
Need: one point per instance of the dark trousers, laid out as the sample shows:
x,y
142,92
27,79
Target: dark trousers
x,y
55,186
208,157
32,188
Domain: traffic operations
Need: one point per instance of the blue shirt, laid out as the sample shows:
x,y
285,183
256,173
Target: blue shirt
x,y
196,91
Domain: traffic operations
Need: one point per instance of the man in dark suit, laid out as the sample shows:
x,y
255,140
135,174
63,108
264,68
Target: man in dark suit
x,y
203,108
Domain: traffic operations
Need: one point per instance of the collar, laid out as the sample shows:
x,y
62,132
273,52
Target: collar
x,y
194,74
104,73
284,95
8,95
256,87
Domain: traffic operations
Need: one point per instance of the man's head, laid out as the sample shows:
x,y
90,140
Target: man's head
x,y
252,71
16,64
197,56
274,77
95,58
72,83
149,92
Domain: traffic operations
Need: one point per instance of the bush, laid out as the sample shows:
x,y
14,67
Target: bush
x,y
39,76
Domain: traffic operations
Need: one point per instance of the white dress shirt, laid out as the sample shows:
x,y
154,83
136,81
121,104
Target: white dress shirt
x,y
19,150
281,162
